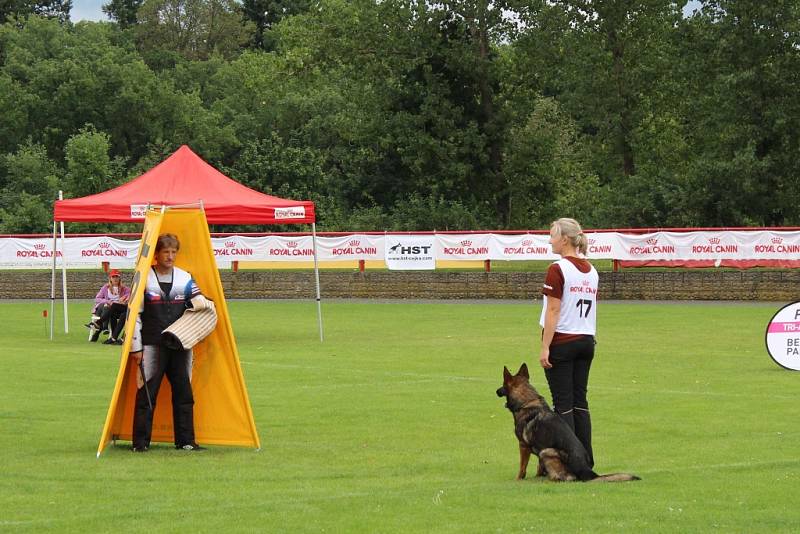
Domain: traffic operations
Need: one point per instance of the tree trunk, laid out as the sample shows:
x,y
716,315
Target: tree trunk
x,y
625,121
489,120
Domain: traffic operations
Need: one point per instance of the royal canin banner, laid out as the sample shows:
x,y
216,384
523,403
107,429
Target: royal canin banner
x,y
666,246
671,248
237,248
520,247
18,253
278,248
351,247
462,247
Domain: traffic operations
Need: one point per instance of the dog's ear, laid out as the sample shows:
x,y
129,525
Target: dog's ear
x,y
523,370
506,374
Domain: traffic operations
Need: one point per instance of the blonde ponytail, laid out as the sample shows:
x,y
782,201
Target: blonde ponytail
x,y
570,229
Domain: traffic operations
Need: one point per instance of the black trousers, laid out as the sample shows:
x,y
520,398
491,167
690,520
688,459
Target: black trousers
x,y
112,317
568,380
160,360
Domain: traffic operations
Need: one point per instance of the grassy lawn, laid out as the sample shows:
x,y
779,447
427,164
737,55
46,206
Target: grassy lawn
x,y
392,425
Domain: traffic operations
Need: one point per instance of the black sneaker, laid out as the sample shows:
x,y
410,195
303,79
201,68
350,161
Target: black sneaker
x,y
140,449
109,341
118,342
95,336
190,447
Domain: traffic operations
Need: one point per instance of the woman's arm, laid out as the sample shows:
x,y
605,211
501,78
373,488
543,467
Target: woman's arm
x,y
550,321
102,295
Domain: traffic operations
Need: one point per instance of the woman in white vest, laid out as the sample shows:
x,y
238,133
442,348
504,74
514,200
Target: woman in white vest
x,y
568,322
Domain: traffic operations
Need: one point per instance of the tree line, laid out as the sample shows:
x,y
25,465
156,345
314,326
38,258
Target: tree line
x,y
415,114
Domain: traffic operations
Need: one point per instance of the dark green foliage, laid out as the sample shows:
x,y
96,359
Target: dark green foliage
x,y
53,9
746,82
193,29
29,183
417,115
265,14
123,12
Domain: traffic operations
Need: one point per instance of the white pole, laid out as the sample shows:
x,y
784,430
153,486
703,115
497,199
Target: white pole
x,y
63,270
316,278
53,283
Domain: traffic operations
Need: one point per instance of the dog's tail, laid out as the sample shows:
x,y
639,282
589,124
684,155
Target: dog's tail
x,y
616,477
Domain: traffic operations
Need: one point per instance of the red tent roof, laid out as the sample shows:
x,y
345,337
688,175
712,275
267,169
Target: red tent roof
x,y
184,178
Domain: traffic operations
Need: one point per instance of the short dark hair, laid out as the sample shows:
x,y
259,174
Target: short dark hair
x,y
168,240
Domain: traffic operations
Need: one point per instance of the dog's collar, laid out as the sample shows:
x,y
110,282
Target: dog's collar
x,y
515,409
536,403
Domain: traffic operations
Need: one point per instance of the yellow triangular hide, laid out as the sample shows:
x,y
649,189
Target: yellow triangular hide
x,y
222,412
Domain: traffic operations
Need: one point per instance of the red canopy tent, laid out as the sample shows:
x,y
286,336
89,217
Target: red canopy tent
x,y
184,178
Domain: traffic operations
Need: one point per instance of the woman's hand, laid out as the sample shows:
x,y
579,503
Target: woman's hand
x,y
544,358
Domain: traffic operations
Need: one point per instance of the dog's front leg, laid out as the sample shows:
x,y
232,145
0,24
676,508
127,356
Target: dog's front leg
x,y
524,456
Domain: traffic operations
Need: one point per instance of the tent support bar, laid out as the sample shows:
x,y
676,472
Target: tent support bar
x,y
316,279
198,204
53,283
63,270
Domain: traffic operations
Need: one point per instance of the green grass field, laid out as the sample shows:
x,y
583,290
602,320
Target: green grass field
x,y
392,425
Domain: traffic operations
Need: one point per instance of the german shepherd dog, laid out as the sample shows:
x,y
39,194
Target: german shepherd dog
x,y
542,432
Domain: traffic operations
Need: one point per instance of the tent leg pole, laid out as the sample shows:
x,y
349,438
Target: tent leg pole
x,y
63,271
53,283
316,279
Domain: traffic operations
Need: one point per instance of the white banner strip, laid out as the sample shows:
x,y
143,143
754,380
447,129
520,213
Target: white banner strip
x,y
462,247
410,252
520,247
351,247
36,253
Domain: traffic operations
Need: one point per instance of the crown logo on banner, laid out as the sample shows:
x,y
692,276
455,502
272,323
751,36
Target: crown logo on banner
x,y
354,242
591,241
230,244
777,240
39,246
652,241
104,244
292,244
466,243
527,242
714,240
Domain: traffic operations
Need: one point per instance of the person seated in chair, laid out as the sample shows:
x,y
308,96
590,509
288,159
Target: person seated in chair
x,y
110,309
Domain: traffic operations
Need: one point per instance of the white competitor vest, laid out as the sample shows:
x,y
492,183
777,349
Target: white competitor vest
x,y
578,302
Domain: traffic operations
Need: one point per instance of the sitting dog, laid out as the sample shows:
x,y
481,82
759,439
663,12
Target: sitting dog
x,y
542,432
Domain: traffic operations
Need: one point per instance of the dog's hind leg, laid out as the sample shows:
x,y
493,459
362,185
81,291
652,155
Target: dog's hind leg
x,y
524,456
554,465
540,469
